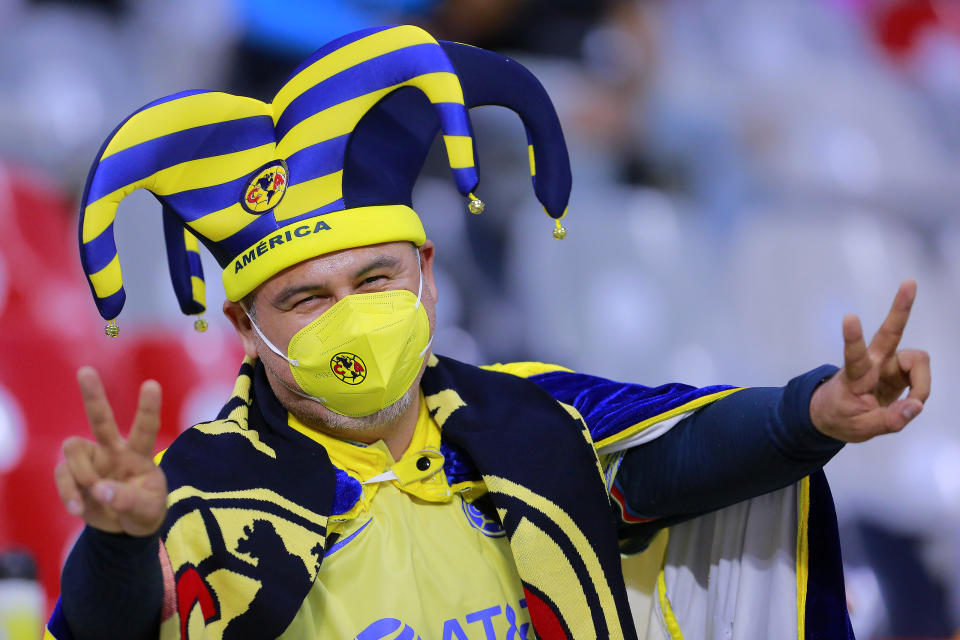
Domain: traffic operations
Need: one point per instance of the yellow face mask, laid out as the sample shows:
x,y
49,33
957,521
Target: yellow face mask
x,y
362,354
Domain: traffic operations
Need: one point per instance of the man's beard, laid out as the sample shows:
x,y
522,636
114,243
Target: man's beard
x,y
346,425
316,416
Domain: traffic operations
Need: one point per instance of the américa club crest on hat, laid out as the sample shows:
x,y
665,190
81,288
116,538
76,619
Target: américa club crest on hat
x,y
328,165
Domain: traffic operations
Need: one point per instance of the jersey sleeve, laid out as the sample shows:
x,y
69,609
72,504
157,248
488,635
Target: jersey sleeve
x,y
619,415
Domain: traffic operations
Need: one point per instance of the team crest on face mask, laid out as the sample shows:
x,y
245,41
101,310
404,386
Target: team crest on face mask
x,y
265,190
348,368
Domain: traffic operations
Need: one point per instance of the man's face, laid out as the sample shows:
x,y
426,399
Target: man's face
x,y
297,296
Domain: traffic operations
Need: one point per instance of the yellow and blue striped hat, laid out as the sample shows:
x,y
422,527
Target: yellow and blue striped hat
x,y
329,164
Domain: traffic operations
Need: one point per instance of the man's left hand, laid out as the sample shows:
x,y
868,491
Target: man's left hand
x,y
863,399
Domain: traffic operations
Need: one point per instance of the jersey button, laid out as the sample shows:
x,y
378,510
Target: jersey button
x,y
423,463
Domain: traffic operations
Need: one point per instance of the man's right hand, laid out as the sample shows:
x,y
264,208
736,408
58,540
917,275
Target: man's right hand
x,y
113,483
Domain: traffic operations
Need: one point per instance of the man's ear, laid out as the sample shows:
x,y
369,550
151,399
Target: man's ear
x,y
426,267
241,323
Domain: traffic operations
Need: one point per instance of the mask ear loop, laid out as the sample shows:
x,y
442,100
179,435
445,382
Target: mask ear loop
x,y
266,340
295,363
420,272
417,305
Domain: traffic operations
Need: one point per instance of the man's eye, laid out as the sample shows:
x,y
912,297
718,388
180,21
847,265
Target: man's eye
x,y
373,279
302,300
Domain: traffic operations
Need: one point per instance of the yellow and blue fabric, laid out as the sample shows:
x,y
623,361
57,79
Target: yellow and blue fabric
x,y
822,607
329,164
186,269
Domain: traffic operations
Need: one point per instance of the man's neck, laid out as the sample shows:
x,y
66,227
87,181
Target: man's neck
x,y
400,434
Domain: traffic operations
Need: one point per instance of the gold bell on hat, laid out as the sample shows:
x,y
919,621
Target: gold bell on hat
x,y
476,205
112,330
560,232
200,325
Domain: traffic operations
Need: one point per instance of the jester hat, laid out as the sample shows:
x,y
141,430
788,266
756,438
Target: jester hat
x,y
328,165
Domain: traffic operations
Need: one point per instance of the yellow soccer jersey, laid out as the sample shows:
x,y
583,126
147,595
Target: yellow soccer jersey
x,y
413,559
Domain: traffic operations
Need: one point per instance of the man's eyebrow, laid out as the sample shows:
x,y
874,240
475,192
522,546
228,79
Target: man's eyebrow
x,y
288,292
380,262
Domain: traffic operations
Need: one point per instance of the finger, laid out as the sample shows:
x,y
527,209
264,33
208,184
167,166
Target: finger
x,y
888,336
146,424
120,496
105,491
900,413
99,413
139,517
884,420
916,364
78,456
856,358
68,490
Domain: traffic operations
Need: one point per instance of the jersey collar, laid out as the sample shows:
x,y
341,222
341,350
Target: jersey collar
x,y
418,472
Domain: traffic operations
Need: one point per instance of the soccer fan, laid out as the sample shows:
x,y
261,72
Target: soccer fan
x,y
358,486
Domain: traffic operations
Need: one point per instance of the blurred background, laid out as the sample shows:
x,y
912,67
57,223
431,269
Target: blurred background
x,y
745,172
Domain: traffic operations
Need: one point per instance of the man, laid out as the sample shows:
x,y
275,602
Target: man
x,y
356,485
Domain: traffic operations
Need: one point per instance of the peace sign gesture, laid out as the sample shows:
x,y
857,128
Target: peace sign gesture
x,y
113,483
863,399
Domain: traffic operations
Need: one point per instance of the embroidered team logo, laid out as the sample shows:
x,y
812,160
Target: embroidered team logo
x,y
265,190
479,520
348,368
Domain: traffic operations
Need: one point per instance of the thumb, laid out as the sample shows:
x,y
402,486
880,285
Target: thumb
x,y
901,412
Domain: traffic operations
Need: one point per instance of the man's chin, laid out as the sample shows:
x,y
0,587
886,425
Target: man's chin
x,y
317,416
